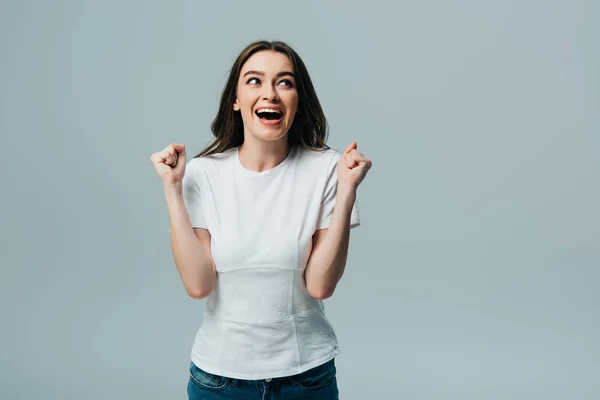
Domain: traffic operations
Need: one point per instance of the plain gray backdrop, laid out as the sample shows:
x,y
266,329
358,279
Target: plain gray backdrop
x,y
475,272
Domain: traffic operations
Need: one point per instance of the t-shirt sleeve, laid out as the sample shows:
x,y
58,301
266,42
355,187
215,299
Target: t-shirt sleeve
x,y
329,195
191,195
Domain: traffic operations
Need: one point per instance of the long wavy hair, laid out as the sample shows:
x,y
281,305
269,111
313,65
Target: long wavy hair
x,y
309,129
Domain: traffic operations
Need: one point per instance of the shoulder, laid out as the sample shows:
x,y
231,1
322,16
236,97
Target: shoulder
x,y
201,171
319,158
208,163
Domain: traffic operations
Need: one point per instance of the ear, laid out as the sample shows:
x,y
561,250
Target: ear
x,y
236,105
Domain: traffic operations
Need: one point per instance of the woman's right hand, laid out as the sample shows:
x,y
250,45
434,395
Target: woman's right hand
x,y
169,164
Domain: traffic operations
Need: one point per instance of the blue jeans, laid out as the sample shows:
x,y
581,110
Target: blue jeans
x,y
318,383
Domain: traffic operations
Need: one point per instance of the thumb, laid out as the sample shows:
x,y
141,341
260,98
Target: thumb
x,y
180,149
353,146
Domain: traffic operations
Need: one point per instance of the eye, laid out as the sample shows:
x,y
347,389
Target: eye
x,y
288,82
253,79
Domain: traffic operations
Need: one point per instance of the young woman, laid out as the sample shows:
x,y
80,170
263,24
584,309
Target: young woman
x,y
260,223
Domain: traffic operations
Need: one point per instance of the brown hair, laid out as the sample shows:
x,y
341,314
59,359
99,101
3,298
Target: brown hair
x,y
309,129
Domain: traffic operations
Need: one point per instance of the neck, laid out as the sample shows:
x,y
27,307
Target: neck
x,y
261,156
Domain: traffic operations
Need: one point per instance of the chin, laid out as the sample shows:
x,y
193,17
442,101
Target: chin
x,y
269,134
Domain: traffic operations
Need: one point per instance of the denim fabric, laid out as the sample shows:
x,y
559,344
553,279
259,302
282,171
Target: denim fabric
x,y
318,383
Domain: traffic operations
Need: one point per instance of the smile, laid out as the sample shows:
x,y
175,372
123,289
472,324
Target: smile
x,y
269,116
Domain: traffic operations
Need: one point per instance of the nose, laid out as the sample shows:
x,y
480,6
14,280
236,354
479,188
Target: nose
x,y
270,94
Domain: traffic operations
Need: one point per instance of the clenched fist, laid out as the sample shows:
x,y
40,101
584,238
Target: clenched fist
x,y
352,167
170,164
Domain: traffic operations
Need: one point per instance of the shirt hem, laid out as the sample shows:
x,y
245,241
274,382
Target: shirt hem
x,y
266,375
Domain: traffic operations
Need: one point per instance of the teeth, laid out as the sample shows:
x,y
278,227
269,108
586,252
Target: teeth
x,y
271,110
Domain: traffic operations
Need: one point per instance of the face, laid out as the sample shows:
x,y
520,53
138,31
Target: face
x,y
266,95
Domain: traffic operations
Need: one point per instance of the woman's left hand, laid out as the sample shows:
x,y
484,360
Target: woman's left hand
x,y
352,168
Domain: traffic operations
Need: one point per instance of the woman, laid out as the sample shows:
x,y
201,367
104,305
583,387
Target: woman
x,y
260,223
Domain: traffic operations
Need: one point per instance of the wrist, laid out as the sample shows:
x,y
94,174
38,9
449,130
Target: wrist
x,y
346,194
173,189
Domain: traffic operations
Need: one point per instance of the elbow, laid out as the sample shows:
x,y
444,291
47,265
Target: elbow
x,y
320,288
197,292
321,293
200,288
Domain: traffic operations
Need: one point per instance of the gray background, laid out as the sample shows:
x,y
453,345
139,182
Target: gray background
x,y
475,272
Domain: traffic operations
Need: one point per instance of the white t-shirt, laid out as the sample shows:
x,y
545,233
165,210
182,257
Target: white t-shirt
x,y
260,321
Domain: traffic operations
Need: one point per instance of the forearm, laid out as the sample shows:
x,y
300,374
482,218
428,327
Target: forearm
x,y
327,262
192,260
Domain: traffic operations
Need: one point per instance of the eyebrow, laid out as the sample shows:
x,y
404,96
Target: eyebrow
x,y
282,73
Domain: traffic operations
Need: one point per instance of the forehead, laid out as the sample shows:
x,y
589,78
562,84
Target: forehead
x,y
269,62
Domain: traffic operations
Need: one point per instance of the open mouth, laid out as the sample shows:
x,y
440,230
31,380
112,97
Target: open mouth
x,y
269,115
